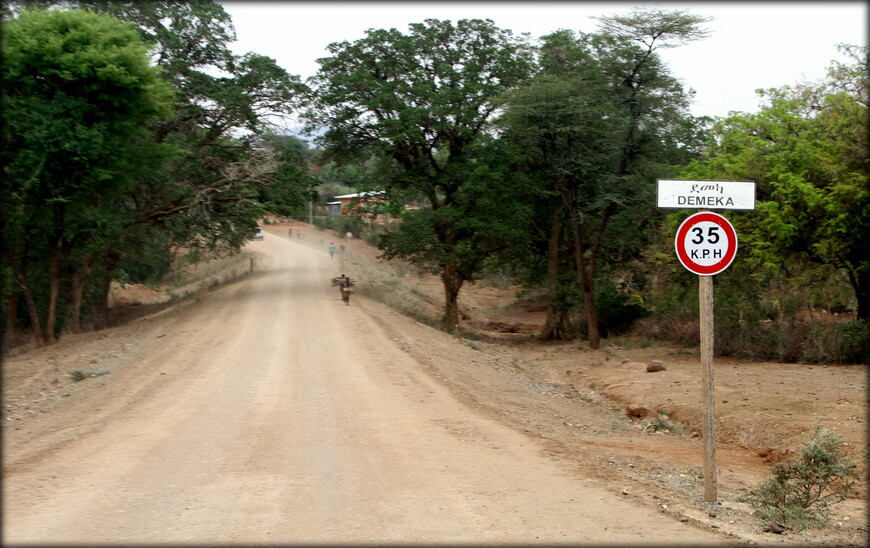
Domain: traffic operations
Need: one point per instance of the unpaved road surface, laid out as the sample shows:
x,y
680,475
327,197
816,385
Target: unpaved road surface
x,y
269,412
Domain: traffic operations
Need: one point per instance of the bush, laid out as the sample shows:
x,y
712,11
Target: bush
x,y
373,239
617,311
800,491
852,342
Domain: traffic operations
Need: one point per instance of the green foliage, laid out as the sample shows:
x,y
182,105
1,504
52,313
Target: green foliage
x,y
226,176
852,342
597,125
807,149
77,99
354,225
801,273
618,310
289,186
146,258
772,317
341,224
107,173
77,92
800,491
417,104
406,95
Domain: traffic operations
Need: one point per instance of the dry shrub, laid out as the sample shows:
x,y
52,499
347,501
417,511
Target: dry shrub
x,y
786,341
675,331
799,491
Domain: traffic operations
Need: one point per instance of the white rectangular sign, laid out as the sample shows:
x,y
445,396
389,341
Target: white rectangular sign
x,y
680,194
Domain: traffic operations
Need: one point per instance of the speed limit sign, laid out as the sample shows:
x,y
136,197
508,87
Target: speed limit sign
x,y
706,243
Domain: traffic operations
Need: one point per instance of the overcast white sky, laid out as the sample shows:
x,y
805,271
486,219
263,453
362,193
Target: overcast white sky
x,y
753,44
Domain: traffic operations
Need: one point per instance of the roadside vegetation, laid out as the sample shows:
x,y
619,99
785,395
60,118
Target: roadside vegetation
x,y
529,160
121,146
799,492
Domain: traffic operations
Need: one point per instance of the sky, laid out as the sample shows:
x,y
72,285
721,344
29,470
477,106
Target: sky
x,y
752,45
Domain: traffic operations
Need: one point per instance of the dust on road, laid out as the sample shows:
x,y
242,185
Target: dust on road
x,y
269,412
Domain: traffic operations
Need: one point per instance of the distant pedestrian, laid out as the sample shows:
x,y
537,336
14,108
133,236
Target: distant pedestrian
x,y
331,250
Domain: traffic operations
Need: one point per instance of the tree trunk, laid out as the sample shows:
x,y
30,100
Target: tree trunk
x,y
860,281
11,317
100,311
452,284
57,259
557,326
32,311
53,294
77,285
586,274
588,285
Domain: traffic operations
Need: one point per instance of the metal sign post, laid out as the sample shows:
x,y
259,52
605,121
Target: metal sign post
x,y
706,244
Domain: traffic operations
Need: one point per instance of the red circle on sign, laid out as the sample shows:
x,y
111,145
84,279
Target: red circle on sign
x,y
685,256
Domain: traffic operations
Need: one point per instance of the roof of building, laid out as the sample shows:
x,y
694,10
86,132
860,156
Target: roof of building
x,y
362,194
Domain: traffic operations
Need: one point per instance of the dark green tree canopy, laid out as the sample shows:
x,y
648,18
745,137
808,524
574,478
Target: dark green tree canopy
x,y
78,96
421,98
78,90
117,176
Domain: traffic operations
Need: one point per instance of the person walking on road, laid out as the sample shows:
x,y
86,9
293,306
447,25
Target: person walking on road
x,y
331,250
344,288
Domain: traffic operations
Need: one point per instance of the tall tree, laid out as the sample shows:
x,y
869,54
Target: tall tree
x,y
201,176
78,93
601,121
225,102
565,127
423,101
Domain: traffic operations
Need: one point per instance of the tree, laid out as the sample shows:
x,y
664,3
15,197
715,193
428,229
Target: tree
x,y
291,184
202,175
601,121
78,93
225,102
562,126
422,100
807,150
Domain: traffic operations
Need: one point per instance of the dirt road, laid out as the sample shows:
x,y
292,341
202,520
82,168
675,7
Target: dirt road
x,y
269,412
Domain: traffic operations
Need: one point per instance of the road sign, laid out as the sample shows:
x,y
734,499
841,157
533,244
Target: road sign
x,y
706,243
678,194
